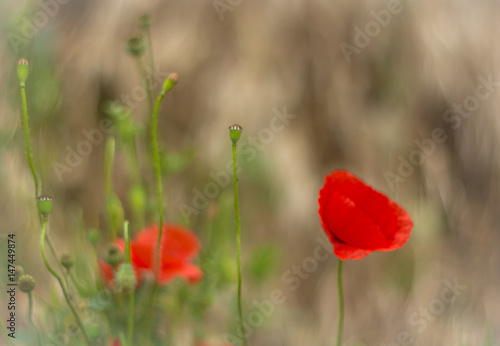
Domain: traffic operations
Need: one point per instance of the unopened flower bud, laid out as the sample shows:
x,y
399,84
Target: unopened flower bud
x,y
23,70
145,21
67,260
136,46
170,82
94,236
19,271
26,283
235,133
125,278
45,205
115,212
137,199
114,255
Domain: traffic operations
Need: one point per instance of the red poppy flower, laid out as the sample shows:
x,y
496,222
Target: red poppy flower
x,y
358,219
178,246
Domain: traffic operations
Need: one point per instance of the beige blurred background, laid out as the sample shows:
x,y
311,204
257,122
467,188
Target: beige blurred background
x,y
243,62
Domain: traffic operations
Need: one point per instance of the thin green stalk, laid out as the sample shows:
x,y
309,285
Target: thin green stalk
x,y
156,159
238,243
149,85
30,317
130,329
341,304
54,254
54,273
24,103
150,46
109,158
27,138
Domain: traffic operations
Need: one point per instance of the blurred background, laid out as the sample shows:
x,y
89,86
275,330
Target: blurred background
x,y
402,94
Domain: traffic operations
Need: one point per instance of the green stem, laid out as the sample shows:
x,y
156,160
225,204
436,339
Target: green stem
x,y
54,273
30,158
130,334
54,255
27,138
156,158
109,158
30,317
149,85
341,304
150,46
238,243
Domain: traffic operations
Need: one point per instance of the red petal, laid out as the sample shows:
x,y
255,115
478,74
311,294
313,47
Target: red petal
x,y
359,219
180,242
176,240
173,266
142,254
348,223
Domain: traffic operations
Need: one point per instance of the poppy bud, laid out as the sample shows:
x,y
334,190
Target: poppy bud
x,y
23,70
145,21
170,82
45,205
94,236
235,133
19,271
115,212
136,46
137,199
67,261
26,283
114,255
125,278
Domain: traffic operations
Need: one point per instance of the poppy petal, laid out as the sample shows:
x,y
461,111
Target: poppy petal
x,y
359,219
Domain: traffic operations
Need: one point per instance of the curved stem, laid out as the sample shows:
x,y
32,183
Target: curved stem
x,y
341,304
54,254
54,273
30,318
156,159
30,158
27,138
238,243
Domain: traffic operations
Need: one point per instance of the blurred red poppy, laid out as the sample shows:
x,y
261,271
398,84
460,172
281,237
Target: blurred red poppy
x,y
358,219
178,246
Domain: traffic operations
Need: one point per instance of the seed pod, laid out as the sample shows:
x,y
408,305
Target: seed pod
x,y
235,133
125,278
67,260
136,46
23,70
26,283
114,255
45,205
